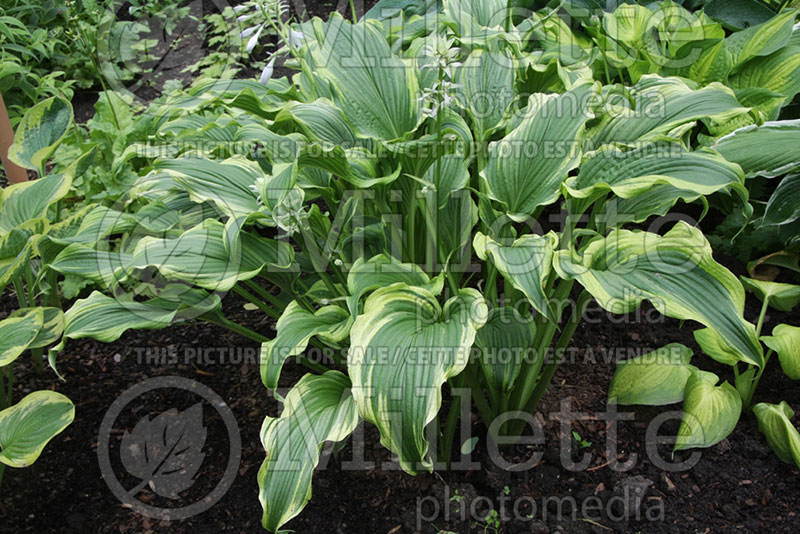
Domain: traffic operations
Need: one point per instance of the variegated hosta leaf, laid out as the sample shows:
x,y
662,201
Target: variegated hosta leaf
x,y
199,256
106,268
714,346
629,173
655,379
710,412
453,177
712,65
785,341
762,39
40,132
766,106
784,204
383,271
675,272
774,421
17,333
778,72
52,325
387,9
375,90
474,17
13,266
772,149
487,79
106,318
655,201
26,427
22,202
90,226
316,410
295,328
225,183
403,348
505,342
781,296
526,263
525,170
321,120
477,23
665,106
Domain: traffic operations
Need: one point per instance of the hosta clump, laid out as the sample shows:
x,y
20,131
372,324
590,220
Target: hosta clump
x,y
404,239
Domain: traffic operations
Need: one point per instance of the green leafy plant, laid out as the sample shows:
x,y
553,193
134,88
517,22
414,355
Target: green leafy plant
x,y
380,214
28,215
712,411
395,205
26,56
582,443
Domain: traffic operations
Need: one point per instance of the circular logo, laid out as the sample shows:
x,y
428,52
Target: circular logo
x,y
164,454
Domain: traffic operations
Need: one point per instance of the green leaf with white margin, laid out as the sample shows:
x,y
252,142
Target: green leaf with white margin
x,y
106,318
403,348
453,176
505,340
784,204
710,412
785,341
631,172
656,201
654,379
487,80
770,150
296,326
525,262
22,202
525,170
375,89
199,256
106,268
472,16
40,132
774,421
225,183
320,120
781,296
52,325
318,408
762,39
91,225
26,427
382,271
13,266
675,272
665,106
17,333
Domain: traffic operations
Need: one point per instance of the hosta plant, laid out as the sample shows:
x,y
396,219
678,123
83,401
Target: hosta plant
x,y
28,214
711,411
407,205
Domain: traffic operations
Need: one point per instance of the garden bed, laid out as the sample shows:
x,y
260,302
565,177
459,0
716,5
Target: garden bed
x,y
738,485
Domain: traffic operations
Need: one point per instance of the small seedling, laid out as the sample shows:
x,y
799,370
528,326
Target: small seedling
x,y
582,443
